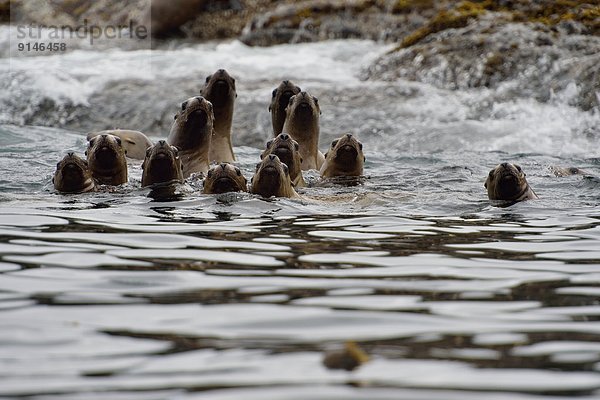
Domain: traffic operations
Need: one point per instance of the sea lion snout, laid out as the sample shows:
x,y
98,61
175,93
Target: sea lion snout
x,y
162,164
224,178
272,178
73,175
344,158
288,151
507,181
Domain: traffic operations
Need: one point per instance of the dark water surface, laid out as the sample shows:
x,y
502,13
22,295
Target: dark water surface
x,y
115,295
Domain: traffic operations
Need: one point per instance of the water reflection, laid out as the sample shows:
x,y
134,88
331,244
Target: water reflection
x,y
149,298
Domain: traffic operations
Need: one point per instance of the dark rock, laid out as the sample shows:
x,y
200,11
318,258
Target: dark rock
x,y
490,52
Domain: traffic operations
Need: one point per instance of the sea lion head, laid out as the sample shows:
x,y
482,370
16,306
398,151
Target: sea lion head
x,y
507,182
304,107
219,89
73,175
193,125
272,178
224,178
162,164
106,159
279,101
288,151
344,158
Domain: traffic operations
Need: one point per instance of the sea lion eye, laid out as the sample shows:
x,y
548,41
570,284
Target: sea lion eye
x,y
334,143
92,141
286,169
274,93
237,171
491,174
296,146
209,173
119,142
148,151
360,145
183,105
518,168
257,166
269,143
208,78
58,165
316,100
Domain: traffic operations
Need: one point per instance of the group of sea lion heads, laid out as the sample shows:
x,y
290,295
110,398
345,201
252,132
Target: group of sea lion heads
x,y
199,142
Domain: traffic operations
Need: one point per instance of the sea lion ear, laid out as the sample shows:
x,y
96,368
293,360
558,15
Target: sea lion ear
x,y
175,117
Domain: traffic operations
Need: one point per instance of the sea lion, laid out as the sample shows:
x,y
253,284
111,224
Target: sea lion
x,y
288,151
224,178
344,158
568,171
272,178
219,89
135,143
106,159
302,124
162,164
73,175
507,182
191,133
279,102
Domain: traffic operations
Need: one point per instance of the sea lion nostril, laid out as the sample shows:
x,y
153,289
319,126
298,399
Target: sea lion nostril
x,y
349,135
285,136
70,154
272,157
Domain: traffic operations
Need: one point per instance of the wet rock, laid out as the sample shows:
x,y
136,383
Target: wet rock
x,y
348,358
526,59
316,20
167,16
